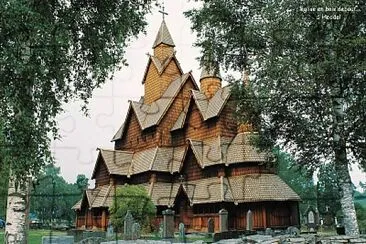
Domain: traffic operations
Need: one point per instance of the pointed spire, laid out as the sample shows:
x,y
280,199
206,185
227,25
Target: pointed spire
x,y
163,36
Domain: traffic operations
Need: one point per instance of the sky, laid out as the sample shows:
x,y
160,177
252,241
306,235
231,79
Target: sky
x,y
76,152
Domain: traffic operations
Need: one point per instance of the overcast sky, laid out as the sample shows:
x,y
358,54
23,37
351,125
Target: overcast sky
x,y
76,152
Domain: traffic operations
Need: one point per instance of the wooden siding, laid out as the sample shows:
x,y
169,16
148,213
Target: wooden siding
x,y
101,175
191,168
248,168
156,84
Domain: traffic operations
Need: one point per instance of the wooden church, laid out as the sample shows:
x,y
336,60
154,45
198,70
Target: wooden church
x,y
182,143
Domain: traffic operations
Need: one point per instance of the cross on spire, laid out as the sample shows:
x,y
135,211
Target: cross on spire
x,y
162,11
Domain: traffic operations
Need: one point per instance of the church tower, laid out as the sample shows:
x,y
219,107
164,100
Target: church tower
x,y
162,67
210,80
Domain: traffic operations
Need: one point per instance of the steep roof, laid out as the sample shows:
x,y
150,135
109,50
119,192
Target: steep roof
x,y
236,189
226,150
163,36
161,66
261,187
117,162
149,115
162,159
210,108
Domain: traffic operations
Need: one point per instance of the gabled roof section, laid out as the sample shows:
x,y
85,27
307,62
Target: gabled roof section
x,y
161,66
181,118
163,36
149,115
226,150
161,159
116,161
210,108
260,187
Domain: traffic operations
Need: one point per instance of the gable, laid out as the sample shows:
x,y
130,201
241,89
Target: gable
x,y
191,168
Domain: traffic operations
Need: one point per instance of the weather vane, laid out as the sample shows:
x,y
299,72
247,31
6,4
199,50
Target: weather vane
x,y
162,11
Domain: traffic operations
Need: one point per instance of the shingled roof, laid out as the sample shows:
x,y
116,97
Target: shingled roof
x,y
210,108
261,187
163,36
236,189
118,162
162,159
226,150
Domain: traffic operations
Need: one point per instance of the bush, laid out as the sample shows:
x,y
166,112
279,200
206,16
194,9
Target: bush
x,y
135,199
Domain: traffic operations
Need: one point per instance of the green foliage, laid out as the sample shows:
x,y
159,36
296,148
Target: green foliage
x,y
52,52
135,199
307,76
298,61
361,215
298,178
328,190
52,197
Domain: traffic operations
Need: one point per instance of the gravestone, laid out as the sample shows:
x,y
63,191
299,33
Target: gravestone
x,y
168,227
57,239
268,232
161,228
249,220
223,220
182,232
110,231
328,219
312,219
136,231
210,225
127,225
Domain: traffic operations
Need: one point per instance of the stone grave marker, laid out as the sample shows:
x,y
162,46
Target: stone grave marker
x,y
223,220
110,230
249,220
57,240
210,225
182,232
136,231
127,225
168,227
328,219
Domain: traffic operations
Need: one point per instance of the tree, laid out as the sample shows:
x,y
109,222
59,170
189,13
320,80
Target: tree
x,y
52,197
52,52
299,179
135,199
82,182
306,66
328,190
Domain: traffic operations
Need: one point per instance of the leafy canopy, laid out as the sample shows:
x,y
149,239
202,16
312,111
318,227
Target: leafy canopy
x,y
299,57
135,199
52,52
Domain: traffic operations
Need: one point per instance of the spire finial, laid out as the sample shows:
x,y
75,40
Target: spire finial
x,y
163,11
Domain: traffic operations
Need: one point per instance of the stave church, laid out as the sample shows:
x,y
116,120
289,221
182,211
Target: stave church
x,y
182,143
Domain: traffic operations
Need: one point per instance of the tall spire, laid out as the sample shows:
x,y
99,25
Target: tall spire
x,y
163,36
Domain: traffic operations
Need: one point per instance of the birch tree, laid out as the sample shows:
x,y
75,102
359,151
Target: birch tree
x,y
306,91
53,52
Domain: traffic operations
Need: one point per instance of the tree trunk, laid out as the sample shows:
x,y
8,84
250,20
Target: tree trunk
x,y
17,213
341,167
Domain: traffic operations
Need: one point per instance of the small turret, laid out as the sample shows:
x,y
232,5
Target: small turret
x,y
210,80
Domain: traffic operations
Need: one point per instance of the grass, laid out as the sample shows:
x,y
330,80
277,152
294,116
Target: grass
x,y
35,236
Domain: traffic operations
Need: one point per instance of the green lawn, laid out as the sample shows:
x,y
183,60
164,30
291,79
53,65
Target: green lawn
x,y
35,236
